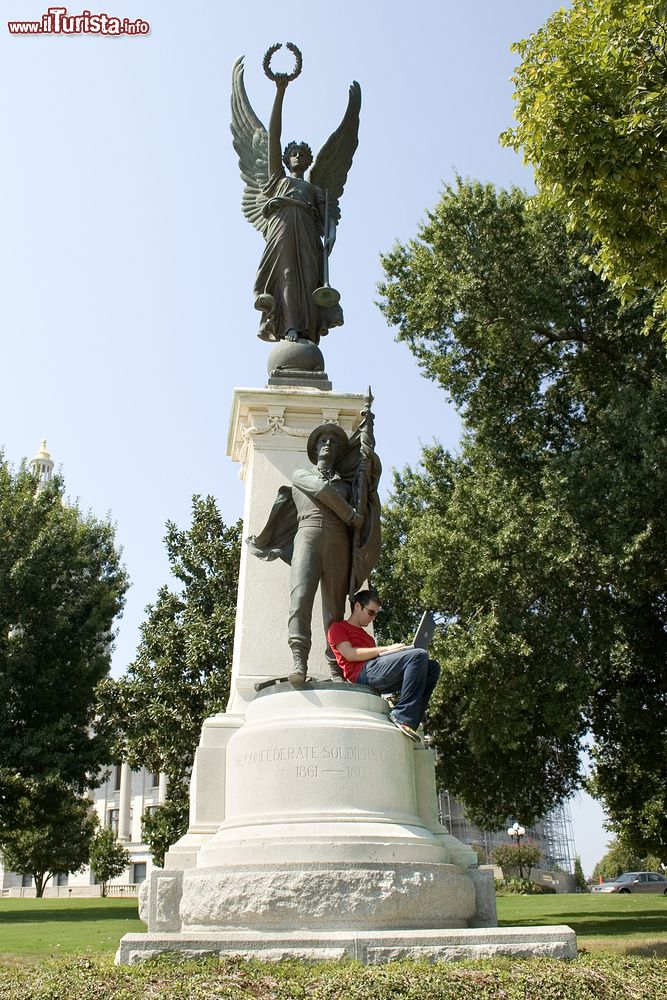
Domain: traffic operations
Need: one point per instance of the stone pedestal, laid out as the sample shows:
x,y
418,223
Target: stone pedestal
x,y
268,431
329,828
320,775
330,848
313,821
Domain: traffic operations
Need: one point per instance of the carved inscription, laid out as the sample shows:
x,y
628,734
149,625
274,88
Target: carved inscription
x,y
306,771
315,761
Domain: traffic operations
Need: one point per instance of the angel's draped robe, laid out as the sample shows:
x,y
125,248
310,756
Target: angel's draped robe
x,y
292,264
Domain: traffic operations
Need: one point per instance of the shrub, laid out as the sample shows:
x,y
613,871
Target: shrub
x,y
521,858
521,887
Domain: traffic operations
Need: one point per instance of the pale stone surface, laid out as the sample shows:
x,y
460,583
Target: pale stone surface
x,y
366,897
369,947
322,775
167,902
144,900
330,823
207,790
159,903
485,898
427,807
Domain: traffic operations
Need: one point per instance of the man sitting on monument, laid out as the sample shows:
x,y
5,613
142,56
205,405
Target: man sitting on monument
x,y
384,668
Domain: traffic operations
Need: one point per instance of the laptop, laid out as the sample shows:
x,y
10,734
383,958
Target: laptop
x,y
425,631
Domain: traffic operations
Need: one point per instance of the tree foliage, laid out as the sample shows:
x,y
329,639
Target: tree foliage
x,y
507,713
542,542
580,882
108,857
61,586
49,830
592,119
164,825
620,857
182,670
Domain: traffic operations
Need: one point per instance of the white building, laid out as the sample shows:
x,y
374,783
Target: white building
x,y
119,802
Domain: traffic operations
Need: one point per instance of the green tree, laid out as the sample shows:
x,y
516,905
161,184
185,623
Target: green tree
x,y
618,859
61,587
516,858
542,543
182,670
50,830
108,857
496,559
579,878
590,106
164,825
629,721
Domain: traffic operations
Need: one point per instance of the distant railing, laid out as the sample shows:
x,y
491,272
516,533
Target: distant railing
x,y
129,889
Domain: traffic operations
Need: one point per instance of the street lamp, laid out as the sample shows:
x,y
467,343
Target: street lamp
x,y
516,831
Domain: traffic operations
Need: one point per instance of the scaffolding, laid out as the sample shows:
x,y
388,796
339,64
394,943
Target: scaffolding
x,y
554,834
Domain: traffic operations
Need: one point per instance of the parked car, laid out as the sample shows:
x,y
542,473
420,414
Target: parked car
x,y
635,882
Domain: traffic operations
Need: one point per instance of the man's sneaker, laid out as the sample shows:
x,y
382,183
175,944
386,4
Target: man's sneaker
x,y
407,730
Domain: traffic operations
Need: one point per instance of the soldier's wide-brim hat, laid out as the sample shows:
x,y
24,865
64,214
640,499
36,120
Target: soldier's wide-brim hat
x,y
315,435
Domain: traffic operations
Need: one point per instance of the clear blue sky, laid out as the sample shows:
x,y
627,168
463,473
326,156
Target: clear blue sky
x,y
126,265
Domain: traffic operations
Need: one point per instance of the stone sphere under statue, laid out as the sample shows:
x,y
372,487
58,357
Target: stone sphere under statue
x,y
295,356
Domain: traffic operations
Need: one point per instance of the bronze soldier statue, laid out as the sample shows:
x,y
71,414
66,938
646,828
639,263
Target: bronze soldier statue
x,y
327,527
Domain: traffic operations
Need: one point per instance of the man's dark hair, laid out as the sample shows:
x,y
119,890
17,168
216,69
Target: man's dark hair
x,y
364,596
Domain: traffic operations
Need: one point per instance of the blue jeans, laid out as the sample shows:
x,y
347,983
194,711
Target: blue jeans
x,y
413,672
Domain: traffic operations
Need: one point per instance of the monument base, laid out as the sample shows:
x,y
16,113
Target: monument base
x,y
330,847
317,897
368,947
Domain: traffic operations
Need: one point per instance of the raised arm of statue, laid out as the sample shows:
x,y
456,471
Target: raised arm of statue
x,y
276,127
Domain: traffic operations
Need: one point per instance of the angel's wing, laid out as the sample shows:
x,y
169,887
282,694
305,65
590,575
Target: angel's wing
x,y
250,140
335,157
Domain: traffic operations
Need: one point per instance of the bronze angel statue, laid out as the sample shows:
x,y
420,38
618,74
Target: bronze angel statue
x,y
296,217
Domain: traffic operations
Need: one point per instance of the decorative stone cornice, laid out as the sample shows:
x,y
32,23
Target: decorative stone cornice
x,y
283,417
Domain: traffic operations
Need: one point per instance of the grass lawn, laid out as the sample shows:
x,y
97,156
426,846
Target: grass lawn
x,y
62,949
599,977
65,926
627,925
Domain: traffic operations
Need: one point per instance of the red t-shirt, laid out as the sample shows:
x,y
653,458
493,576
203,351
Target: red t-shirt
x,y
358,638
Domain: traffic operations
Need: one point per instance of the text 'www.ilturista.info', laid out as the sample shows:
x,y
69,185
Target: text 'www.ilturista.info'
x,y
56,21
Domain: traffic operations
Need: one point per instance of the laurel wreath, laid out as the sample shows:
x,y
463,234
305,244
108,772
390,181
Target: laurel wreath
x,y
283,76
